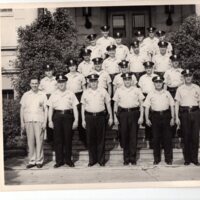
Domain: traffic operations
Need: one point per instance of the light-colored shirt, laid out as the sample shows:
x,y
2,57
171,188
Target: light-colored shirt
x,y
151,44
173,77
85,68
128,97
96,51
169,49
146,84
62,100
161,62
188,95
159,100
48,85
118,80
94,100
111,65
122,52
75,82
143,48
33,105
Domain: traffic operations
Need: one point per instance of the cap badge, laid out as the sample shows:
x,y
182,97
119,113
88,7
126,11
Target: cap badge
x,y
187,71
60,77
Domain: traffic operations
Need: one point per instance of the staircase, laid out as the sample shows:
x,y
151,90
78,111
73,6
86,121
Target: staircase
x,y
113,151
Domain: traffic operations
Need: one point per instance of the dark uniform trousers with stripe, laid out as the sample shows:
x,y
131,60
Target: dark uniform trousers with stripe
x,y
128,121
161,134
63,135
190,125
95,130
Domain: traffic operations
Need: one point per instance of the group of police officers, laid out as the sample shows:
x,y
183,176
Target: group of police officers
x,y
143,85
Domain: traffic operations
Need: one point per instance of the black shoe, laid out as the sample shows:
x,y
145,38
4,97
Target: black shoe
x,y
39,165
30,166
126,162
58,165
133,162
70,164
196,163
156,162
102,164
91,164
186,163
169,162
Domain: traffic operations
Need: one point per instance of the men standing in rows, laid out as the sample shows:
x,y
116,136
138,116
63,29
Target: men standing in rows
x,y
48,85
93,102
136,60
104,80
63,117
162,60
33,116
105,40
162,117
129,110
122,51
188,115
76,83
96,50
86,66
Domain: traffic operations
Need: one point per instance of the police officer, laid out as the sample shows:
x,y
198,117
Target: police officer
x,y
93,102
76,83
96,50
162,60
104,80
122,51
162,117
188,115
86,66
105,40
129,110
63,117
48,85
136,60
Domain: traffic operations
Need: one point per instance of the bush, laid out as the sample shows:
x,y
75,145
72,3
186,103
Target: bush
x,y
186,42
11,125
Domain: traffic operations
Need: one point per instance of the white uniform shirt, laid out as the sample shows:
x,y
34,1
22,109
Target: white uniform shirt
x,y
96,51
122,52
94,100
128,97
85,68
161,62
146,84
169,49
143,49
111,65
173,77
151,45
48,85
33,105
75,82
159,100
188,95
62,100
118,80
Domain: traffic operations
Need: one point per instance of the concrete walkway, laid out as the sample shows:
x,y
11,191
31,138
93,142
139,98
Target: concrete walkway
x,y
17,174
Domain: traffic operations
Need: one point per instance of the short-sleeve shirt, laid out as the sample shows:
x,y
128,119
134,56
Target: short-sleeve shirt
x,y
188,95
85,68
62,100
111,65
146,84
48,85
128,97
118,80
173,77
122,52
96,51
75,82
94,100
161,62
159,100
33,105
151,44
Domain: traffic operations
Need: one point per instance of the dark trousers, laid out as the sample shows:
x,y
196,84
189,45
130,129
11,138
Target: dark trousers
x,y
190,129
95,130
63,135
162,135
128,131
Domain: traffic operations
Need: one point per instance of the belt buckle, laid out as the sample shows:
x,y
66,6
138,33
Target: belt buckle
x,y
62,112
190,109
94,114
128,109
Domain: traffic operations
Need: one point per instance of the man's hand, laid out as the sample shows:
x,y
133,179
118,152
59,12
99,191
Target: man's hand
x,y
51,124
83,124
116,122
110,121
75,124
148,123
178,122
140,120
172,122
43,126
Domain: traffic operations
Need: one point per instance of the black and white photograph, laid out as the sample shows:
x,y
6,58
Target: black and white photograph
x,y
105,94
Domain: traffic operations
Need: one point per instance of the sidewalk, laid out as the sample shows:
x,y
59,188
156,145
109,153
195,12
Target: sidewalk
x,y
17,174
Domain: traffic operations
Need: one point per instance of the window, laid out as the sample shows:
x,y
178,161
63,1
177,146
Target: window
x,y
6,12
118,22
8,94
138,23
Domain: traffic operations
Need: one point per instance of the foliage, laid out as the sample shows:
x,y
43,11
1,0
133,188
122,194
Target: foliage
x,y
186,42
52,38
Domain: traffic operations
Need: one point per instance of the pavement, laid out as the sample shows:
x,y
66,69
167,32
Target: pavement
x,y
17,174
